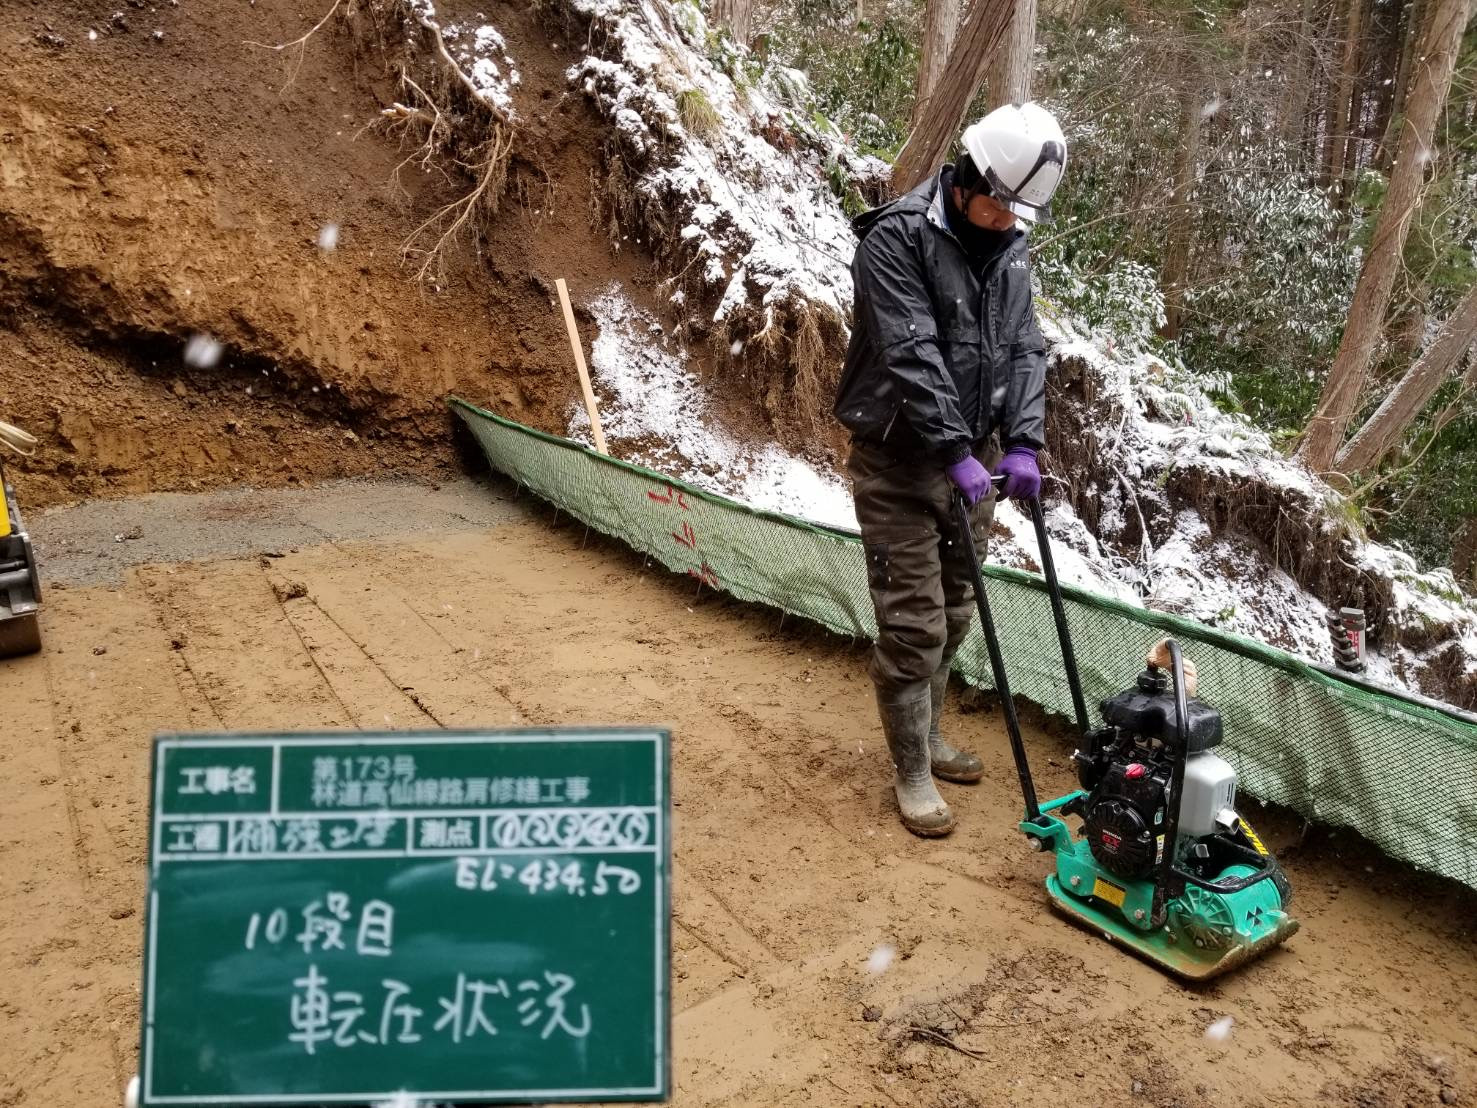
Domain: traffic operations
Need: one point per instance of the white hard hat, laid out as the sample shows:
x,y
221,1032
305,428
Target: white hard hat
x,y
1020,151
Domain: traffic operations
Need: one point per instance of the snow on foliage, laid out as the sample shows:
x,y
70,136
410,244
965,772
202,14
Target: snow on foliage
x,y
730,159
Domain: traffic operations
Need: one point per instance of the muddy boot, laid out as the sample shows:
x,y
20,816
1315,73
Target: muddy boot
x,y
905,723
948,762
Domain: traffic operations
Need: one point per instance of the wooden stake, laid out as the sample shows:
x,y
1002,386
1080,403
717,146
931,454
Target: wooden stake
x,y
579,363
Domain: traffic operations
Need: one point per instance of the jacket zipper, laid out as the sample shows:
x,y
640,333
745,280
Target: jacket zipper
x,y
982,388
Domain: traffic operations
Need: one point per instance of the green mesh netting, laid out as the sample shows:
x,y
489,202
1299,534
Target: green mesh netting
x,y
1401,771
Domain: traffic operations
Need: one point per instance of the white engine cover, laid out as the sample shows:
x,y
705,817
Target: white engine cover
x,y
1209,800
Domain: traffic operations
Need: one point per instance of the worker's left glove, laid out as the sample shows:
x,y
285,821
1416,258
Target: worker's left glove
x,y
1022,477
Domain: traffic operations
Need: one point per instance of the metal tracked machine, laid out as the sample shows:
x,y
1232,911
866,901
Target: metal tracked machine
x,y
1164,865
20,585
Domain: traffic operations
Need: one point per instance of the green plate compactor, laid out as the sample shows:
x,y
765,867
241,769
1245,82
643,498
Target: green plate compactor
x,y
1164,865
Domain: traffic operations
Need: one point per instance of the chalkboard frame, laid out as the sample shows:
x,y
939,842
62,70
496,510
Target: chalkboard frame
x,y
659,1091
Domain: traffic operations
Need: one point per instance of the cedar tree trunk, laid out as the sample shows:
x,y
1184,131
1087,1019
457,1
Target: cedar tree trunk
x,y
1438,55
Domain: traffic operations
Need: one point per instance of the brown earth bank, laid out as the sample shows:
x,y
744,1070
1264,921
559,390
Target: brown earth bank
x,y
366,604
161,176
164,174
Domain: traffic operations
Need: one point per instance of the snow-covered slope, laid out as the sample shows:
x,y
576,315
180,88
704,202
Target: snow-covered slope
x,y
654,411
1159,497
720,171
1209,517
728,160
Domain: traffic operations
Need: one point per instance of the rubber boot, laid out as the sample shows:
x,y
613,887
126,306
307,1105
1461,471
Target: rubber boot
x,y
905,722
948,762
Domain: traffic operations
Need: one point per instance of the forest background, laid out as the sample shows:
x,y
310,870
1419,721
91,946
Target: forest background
x,y
1281,196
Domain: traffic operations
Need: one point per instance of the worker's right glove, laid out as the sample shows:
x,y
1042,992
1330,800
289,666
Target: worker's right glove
x,y
1022,475
970,478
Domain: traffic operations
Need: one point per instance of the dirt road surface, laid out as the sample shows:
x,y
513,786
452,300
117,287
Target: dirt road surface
x,y
399,604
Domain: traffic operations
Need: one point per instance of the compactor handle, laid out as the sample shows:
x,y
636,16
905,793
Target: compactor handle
x,y
1059,614
997,660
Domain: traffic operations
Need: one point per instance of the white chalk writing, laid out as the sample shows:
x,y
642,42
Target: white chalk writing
x,y
324,927
217,780
545,875
321,1017
568,828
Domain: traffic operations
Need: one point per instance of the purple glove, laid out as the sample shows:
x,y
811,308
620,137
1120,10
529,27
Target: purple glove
x,y
970,478
1022,477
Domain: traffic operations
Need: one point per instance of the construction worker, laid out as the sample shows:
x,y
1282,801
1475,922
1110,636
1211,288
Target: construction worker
x,y
943,385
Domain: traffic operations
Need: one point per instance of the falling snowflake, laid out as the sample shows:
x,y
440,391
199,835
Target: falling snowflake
x,y
203,351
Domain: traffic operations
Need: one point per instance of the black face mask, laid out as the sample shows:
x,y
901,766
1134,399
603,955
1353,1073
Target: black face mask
x,y
980,243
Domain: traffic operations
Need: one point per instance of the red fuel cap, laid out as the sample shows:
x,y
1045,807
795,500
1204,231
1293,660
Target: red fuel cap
x,y
1134,771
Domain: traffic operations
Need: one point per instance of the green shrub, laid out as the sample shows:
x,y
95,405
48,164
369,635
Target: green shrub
x,y
697,112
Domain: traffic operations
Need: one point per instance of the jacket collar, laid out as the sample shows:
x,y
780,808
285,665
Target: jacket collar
x,y
927,199
936,213
940,218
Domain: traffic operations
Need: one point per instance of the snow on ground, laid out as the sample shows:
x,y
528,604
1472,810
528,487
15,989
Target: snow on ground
x,y
652,405
1079,560
1207,579
657,414
482,54
1423,602
1169,422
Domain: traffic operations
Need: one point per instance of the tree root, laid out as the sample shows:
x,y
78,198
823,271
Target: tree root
x,y
490,171
454,129
301,43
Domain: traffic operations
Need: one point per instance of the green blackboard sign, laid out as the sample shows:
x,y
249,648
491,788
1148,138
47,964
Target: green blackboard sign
x,y
469,917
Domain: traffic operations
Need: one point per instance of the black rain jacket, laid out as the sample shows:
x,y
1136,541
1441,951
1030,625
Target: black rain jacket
x,y
942,354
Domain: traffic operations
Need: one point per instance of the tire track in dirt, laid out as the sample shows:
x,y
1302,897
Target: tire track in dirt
x,y
402,643
281,591
52,1002
103,657
343,661
709,944
241,648
86,856
200,710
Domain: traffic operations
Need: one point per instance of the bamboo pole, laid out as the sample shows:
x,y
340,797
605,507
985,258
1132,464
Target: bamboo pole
x,y
579,364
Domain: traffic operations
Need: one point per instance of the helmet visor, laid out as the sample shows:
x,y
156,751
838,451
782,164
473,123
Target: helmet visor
x,y
1029,212
1051,161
